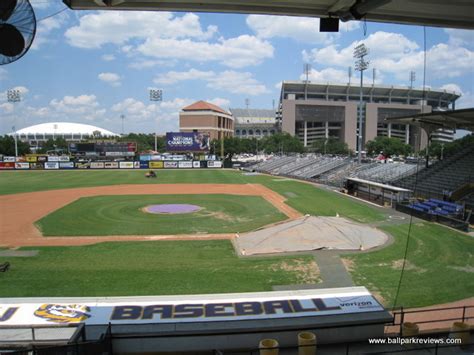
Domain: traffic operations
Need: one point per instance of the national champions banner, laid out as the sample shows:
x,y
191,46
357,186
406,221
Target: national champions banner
x,y
204,308
187,142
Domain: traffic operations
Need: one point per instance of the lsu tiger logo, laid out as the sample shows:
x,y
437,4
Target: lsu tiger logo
x,y
60,313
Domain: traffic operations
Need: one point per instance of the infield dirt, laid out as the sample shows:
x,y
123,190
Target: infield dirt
x,y
20,211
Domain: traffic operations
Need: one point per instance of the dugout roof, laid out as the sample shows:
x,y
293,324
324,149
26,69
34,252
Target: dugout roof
x,y
452,13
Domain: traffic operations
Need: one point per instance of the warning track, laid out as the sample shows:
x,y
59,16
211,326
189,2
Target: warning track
x,y
20,211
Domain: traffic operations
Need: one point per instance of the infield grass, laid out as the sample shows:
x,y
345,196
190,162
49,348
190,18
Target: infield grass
x,y
149,268
439,268
123,215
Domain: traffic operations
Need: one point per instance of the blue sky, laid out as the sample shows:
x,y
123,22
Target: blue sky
x,y
91,67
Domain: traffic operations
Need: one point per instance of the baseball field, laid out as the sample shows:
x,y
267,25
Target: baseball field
x,y
95,233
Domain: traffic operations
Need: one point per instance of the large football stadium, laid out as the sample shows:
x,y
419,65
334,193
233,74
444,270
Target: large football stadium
x,y
87,233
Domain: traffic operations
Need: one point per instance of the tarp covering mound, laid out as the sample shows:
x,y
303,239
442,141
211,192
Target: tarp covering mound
x,y
310,233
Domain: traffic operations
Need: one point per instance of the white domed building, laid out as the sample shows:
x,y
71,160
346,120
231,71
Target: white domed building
x,y
71,132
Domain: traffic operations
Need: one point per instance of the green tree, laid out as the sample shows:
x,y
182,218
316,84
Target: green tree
x,y
58,144
282,142
388,146
145,142
330,146
7,146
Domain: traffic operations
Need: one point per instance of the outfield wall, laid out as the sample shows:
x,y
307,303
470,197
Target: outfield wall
x,y
152,164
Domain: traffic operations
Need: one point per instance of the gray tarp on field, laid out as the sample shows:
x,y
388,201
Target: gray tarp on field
x,y
310,233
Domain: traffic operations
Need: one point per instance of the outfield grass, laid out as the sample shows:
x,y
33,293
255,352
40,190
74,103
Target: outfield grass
x,y
439,269
123,215
148,268
12,182
303,197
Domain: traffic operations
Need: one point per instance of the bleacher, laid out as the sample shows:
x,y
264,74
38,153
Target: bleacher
x,y
386,173
321,166
272,164
446,175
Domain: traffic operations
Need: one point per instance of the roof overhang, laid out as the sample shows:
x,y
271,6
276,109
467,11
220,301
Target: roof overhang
x,y
456,119
452,14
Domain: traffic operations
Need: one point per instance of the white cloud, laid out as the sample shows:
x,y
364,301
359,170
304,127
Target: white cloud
x,y
7,107
452,87
3,74
460,37
108,57
395,54
110,78
83,106
237,83
229,80
46,27
235,52
219,101
162,116
119,27
329,75
173,77
163,35
466,100
301,29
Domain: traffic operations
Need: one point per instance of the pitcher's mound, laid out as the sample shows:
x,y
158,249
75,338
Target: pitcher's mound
x,y
310,233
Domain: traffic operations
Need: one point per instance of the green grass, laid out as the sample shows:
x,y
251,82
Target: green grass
x,y
318,202
12,182
145,268
440,266
122,215
304,197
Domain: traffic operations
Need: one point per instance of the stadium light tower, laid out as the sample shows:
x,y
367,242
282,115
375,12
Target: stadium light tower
x,y
360,65
122,117
13,95
156,95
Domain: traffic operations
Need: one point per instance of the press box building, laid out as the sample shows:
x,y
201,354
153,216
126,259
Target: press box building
x,y
314,111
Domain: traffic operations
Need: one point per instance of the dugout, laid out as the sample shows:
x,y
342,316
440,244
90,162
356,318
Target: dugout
x,y
382,194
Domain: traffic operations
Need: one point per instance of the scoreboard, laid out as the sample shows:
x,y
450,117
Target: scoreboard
x,y
104,148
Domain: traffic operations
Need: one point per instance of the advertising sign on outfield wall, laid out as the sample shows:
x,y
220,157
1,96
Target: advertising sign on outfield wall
x,y
9,159
51,165
143,164
126,165
204,308
196,164
111,165
41,158
97,165
156,165
136,165
37,166
171,164
82,165
7,165
31,158
64,158
66,165
185,164
214,164
22,165
53,158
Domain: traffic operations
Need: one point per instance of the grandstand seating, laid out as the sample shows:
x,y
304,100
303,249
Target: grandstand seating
x,y
447,175
386,173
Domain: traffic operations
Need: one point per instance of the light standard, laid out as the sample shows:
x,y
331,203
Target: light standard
x,y
156,95
13,95
360,65
122,117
